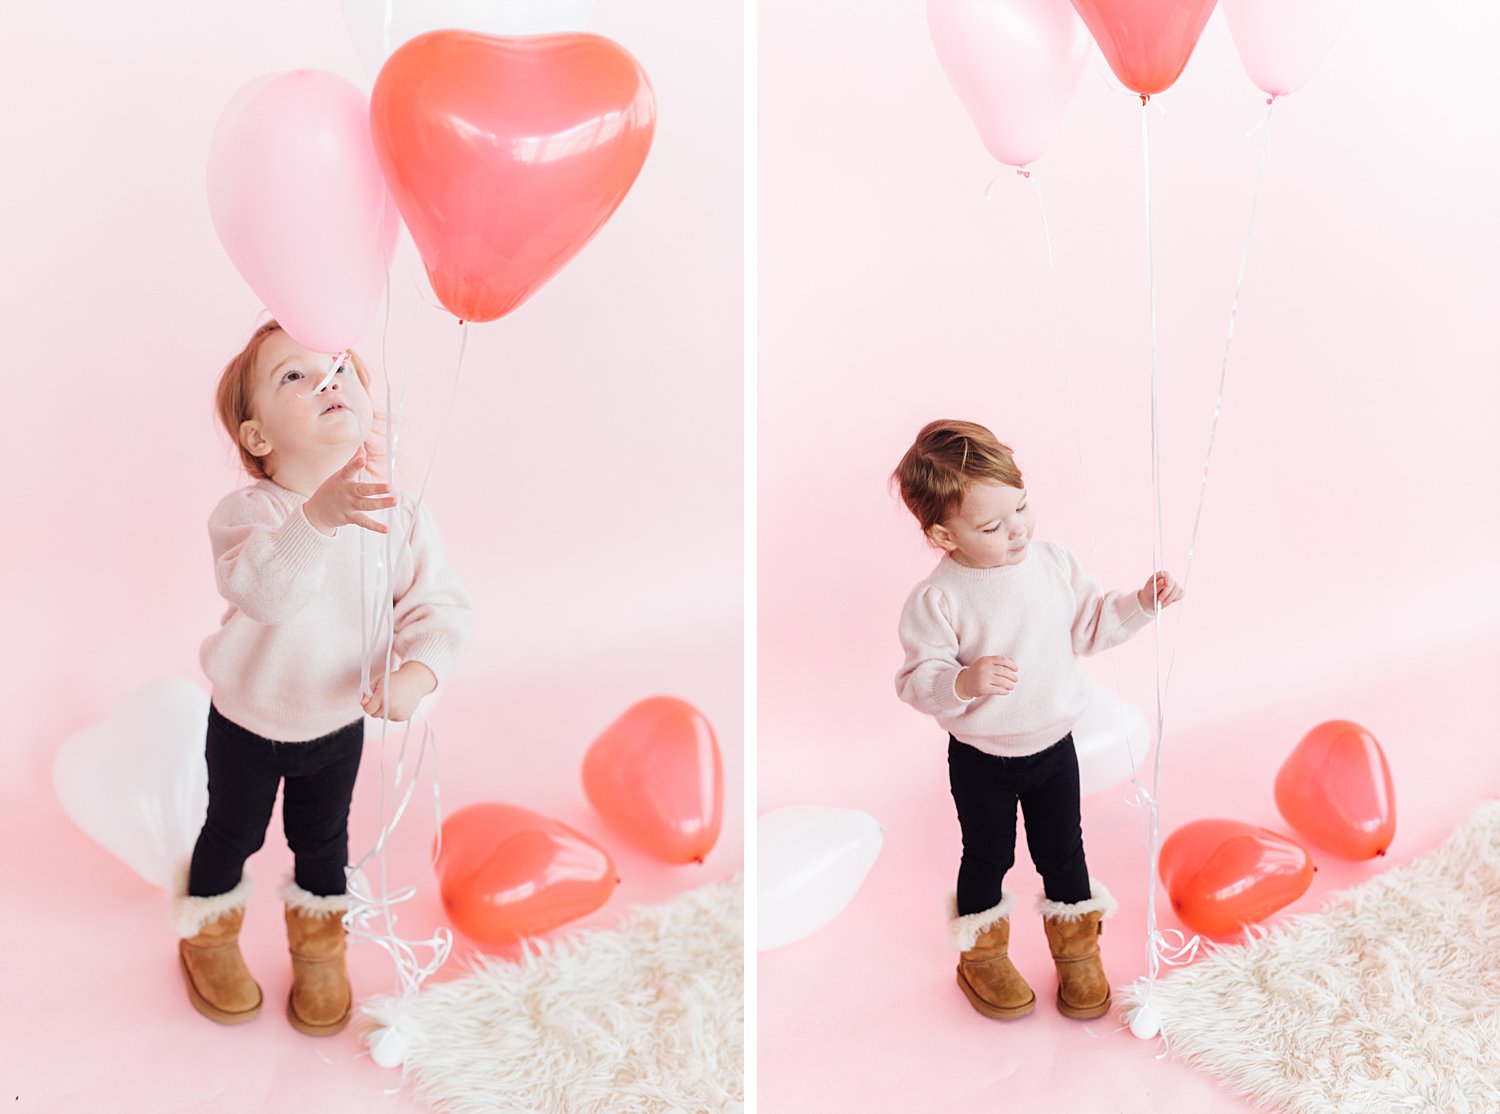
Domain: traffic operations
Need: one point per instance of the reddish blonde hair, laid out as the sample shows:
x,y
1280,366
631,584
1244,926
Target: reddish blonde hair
x,y
234,400
943,461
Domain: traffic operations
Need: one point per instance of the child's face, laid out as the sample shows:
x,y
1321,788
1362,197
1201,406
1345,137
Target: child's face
x,y
993,526
291,422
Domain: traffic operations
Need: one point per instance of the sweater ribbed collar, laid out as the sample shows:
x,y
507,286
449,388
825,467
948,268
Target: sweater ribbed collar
x,y
952,568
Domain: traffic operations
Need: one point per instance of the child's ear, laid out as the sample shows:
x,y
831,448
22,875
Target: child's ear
x,y
252,439
939,536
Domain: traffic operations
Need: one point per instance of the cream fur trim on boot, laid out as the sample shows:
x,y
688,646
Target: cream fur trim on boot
x,y
1102,901
317,904
964,930
190,914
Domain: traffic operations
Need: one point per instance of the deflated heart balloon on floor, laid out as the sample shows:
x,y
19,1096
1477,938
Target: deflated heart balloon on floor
x,y
1225,874
506,872
1335,788
1111,738
812,861
506,155
657,776
137,782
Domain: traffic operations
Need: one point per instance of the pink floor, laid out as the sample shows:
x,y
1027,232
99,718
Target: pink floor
x,y
95,1016
864,1015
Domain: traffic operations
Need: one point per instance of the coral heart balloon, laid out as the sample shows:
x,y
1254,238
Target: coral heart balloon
x,y
506,155
1335,788
656,775
1225,874
506,872
1146,42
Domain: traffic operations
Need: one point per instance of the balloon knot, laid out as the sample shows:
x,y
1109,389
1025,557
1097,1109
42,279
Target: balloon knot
x,y
1271,100
1145,99
1023,172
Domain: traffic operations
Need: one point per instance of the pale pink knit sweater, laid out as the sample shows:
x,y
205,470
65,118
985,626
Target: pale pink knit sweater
x,y
285,662
1041,613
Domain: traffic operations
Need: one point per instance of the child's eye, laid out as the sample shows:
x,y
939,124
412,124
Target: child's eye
x,y
990,529
289,376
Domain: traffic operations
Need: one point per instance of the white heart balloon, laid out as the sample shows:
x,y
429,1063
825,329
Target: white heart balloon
x,y
1111,740
378,27
812,860
137,783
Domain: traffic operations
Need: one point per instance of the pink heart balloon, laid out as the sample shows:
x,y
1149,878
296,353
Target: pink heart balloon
x,y
1225,874
298,202
506,872
1281,42
656,775
1336,789
1014,64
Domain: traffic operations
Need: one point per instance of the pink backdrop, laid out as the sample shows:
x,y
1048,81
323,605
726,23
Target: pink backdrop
x,y
1346,565
588,489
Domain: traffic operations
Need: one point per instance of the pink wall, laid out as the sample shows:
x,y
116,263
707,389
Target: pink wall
x,y
589,485
1348,524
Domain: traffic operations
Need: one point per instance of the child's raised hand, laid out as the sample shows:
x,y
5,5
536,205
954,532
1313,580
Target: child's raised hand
x,y
1160,589
343,499
408,685
992,676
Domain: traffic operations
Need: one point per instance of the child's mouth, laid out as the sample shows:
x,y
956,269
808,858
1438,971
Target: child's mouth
x,y
335,406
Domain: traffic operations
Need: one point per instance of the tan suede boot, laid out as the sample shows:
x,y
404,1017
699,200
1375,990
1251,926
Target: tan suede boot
x,y
1073,931
985,973
320,1002
219,984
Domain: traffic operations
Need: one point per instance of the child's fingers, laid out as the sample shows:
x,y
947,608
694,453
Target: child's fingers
x,y
374,502
370,488
369,523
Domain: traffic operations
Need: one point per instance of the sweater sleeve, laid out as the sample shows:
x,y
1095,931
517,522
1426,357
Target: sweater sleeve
x,y
1100,619
432,617
267,563
928,675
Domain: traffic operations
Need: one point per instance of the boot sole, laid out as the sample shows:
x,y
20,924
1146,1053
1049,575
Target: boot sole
x,y
989,1009
325,1030
211,1011
1087,1013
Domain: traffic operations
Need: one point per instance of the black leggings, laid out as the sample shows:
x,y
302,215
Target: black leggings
x,y
244,771
986,788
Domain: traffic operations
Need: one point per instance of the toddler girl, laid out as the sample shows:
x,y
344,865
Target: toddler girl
x,y
991,638
285,668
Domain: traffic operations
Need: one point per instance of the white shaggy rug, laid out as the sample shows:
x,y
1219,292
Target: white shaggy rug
x,y
1385,1003
644,1018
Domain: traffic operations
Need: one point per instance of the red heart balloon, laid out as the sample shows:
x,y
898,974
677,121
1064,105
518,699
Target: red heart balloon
x,y
1225,874
506,872
1146,42
656,775
505,155
1335,788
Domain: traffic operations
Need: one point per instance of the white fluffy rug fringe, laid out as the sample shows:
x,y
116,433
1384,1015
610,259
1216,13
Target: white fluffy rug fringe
x,y
646,1017
1387,1002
